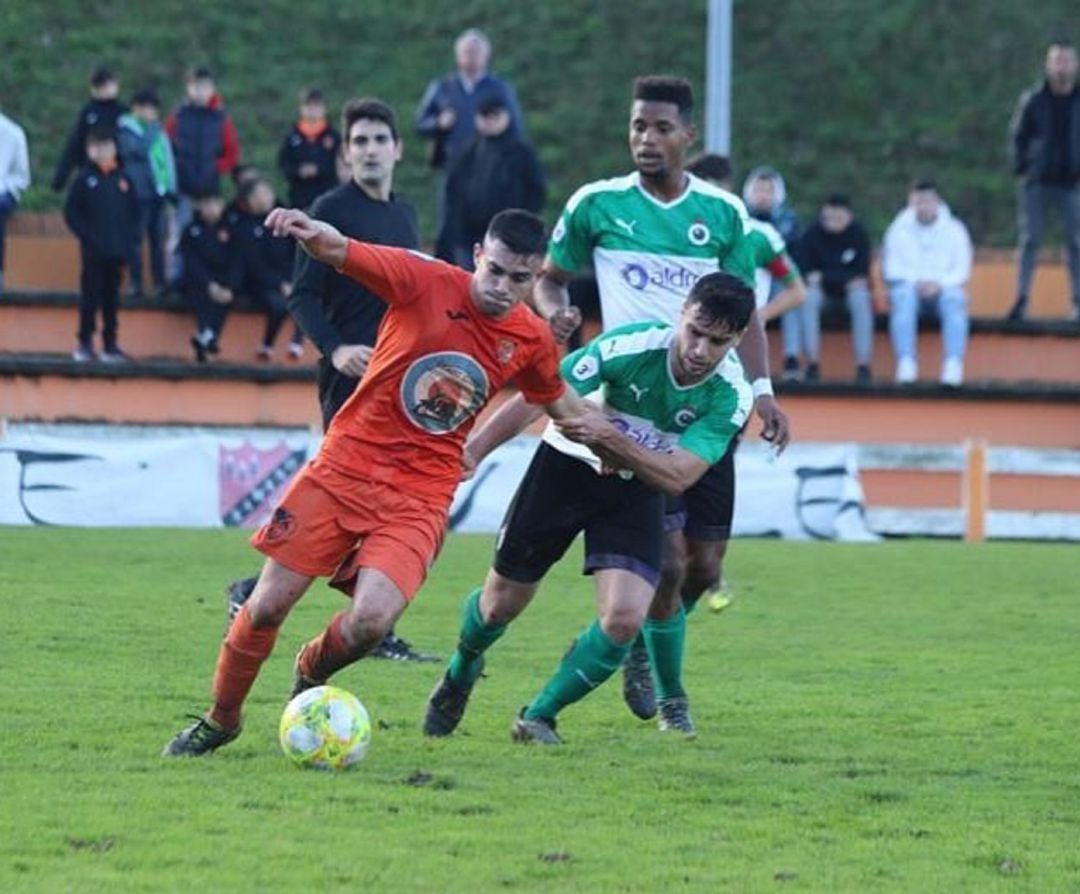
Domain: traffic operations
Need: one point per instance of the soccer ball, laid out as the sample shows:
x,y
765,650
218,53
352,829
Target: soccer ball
x,y
326,728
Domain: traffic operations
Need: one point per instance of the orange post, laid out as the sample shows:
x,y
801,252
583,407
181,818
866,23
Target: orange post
x,y
976,491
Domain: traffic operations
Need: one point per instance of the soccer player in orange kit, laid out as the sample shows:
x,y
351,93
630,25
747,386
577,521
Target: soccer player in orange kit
x,y
370,509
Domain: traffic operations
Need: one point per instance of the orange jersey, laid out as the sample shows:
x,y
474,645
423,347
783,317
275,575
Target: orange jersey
x,y
438,360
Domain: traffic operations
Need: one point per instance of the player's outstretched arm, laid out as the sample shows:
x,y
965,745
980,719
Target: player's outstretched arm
x,y
551,299
791,296
753,352
316,237
512,418
672,473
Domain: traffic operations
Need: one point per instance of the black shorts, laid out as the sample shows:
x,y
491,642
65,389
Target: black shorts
x,y
560,497
704,511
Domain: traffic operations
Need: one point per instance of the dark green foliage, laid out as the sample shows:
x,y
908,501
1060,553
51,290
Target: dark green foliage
x,y
851,94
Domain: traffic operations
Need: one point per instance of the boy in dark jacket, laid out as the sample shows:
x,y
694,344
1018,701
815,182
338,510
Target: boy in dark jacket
x,y
104,109
266,261
498,171
101,211
308,156
148,161
211,272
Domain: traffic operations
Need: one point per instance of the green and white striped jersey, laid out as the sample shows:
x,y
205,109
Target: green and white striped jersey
x,y
767,248
647,254
627,370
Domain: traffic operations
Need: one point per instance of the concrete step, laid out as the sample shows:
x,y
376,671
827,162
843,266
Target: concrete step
x,y
42,255
1041,351
46,323
54,388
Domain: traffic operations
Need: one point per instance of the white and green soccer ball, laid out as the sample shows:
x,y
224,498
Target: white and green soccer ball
x,y
325,728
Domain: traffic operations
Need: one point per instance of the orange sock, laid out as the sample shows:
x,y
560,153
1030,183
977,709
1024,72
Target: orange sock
x,y
328,652
242,654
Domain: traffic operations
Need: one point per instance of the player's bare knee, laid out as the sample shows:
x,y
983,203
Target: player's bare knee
x,y
503,599
266,611
621,623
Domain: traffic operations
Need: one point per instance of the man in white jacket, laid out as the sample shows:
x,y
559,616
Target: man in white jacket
x,y
927,263
14,175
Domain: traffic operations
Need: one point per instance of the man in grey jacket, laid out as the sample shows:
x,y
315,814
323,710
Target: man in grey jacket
x,y
1045,142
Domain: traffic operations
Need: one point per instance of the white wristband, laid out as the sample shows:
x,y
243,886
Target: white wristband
x,y
761,387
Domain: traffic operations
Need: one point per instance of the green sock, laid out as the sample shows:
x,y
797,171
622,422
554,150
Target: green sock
x,y
666,641
592,658
475,638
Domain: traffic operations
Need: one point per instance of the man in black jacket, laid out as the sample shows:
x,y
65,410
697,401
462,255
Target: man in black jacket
x,y
1045,136
499,170
104,109
834,255
308,156
336,313
101,211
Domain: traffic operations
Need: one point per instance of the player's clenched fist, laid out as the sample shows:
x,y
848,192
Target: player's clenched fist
x,y
320,240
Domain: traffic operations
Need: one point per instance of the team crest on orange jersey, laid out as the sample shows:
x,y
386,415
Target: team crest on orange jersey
x,y
504,350
281,527
441,391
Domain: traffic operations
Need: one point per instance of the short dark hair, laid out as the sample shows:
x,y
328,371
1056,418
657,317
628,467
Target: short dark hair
x,y
520,231
666,88
242,173
1061,40
837,200
490,105
245,188
723,298
146,97
101,133
710,166
101,76
368,109
200,73
924,184
312,94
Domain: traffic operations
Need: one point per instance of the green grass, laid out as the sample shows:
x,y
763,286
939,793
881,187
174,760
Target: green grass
x,y
899,717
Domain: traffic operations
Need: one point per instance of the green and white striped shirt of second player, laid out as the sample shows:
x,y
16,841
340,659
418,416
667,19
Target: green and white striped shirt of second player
x,y
627,370
647,255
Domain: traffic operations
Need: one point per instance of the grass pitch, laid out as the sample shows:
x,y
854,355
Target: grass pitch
x,y
897,717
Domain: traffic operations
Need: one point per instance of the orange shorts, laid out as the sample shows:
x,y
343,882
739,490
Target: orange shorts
x,y
332,525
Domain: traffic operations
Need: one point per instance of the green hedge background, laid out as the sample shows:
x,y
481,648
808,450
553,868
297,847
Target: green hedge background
x,y
858,95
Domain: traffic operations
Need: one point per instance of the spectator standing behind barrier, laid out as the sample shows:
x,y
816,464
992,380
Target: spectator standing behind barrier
x,y
101,212
14,176
499,170
266,261
205,145
834,254
926,263
447,111
147,157
308,156
103,108
1045,137
212,272
204,137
